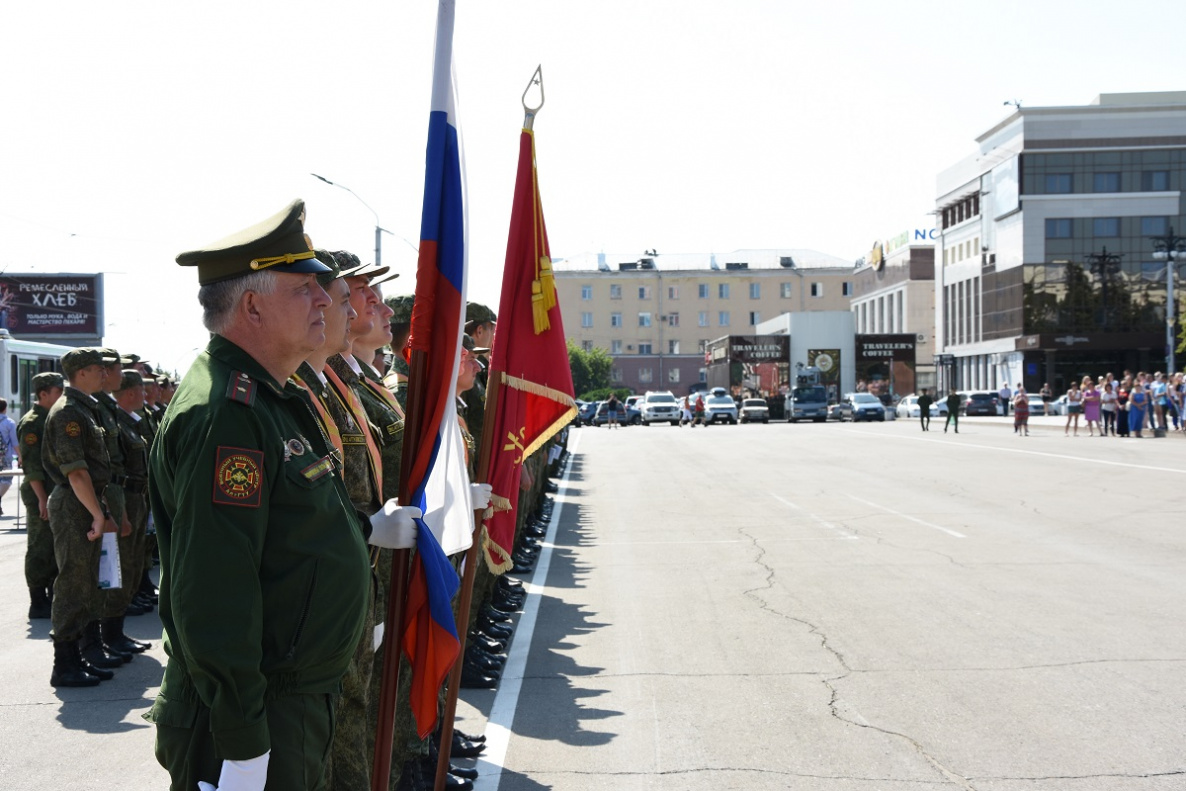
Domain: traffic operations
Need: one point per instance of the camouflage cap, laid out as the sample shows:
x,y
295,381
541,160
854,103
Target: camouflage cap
x,y
130,378
402,305
339,264
278,244
467,342
118,358
477,313
47,379
75,360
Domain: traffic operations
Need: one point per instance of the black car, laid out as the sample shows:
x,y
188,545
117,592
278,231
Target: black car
x,y
980,404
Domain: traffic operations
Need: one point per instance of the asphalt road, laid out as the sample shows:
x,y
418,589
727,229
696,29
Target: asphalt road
x,y
805,606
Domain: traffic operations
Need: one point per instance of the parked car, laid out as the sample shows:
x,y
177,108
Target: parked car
x,y
1057,407
585,412
908,407
981,403
807,403
627,417
754,410
720,408
861,406
659,407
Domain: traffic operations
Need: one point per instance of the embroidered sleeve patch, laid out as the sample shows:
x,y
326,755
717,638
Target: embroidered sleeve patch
x,y
238,477
30,438
73,429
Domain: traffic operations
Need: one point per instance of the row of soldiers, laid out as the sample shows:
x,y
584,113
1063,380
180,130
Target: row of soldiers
x,y
83,448
273,484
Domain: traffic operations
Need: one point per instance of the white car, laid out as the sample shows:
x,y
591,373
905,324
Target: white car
x,y
908,407
659,408
720,407
754,410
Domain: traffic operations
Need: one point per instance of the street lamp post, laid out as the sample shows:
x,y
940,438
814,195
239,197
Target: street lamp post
x,y
1171,249
379,230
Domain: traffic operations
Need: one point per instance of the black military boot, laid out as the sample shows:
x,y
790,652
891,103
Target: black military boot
x,y
39,606
115,639
68,670
93,653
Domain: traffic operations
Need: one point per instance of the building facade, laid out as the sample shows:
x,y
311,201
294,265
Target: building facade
x,y
655,314
894,294
1044,263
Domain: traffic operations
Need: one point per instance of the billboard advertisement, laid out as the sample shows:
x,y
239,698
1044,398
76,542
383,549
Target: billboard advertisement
x,y
59,306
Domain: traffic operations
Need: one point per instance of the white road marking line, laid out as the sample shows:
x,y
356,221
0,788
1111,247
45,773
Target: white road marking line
x,y
506,700
844,532
901,515
1032,453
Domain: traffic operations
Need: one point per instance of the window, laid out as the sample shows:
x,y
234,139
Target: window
x,y
644,319
673,347
754,317
755,290
1155,181
615,319
723,318
586,320
644,292
587,345
817,289
1058,229
673,320
586,293
846,289
784,290
702,290
615,375
1105,182
703,318
615,347
673,375
645,375
673,292
615,291
703,374
1154,226
1058,183
723,290
1105,226
645,348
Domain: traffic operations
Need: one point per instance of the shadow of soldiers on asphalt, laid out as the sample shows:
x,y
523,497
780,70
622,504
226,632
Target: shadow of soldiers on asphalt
x,y
117,707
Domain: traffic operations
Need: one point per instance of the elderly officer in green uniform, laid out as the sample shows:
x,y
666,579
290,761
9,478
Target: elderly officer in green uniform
x,y
263,559
40,567
75,458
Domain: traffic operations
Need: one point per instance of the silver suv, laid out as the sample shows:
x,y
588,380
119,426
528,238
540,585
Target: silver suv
x,y
659,407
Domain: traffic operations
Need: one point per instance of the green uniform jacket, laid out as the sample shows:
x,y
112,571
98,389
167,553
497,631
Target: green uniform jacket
x,y
264,570
28,433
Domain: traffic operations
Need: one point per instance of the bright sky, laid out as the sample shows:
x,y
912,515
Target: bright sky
x,y
130,132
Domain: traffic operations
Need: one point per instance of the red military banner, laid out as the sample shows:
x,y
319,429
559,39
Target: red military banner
x,y
530,382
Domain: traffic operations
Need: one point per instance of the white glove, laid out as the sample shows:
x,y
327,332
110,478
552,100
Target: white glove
x,y
393,528
249,775
479,496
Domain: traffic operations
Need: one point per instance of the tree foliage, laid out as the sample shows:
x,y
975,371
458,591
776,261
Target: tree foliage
x,y
590,369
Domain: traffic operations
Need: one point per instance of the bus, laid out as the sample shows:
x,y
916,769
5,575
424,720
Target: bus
x,y
20,361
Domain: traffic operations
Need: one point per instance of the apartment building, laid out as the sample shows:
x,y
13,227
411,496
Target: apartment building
x,y
1047,264
655,313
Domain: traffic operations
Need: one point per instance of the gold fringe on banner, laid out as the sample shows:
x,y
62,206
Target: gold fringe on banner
x,y
547,392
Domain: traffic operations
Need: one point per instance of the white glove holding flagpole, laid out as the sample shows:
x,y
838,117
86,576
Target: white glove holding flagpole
x,y
393,527
479,496
249,775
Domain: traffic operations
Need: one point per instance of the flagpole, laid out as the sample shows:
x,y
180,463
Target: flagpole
x,y
398,592
472,558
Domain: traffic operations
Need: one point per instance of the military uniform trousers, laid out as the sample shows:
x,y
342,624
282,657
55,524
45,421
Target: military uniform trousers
x,y
40,566
353,752
131,556
301,726
76,589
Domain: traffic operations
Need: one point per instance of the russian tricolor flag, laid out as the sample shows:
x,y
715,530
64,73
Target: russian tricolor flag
x,y
438,478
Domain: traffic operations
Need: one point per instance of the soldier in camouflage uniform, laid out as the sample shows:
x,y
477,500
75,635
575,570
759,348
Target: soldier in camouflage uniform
x,y
480,324
396,379
128,396
40,567
75,457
